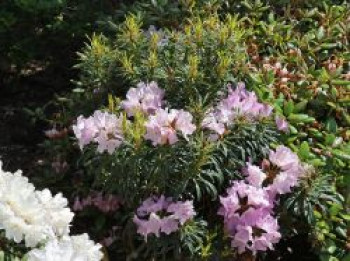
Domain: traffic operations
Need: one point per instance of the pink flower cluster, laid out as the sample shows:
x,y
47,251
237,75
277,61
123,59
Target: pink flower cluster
x,y
105,203
146,98
278,174
102,127
247,217
238,104
161,214
248,207
163,125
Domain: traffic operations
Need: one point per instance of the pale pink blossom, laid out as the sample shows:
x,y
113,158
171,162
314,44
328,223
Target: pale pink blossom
x,y
85,130
284,158
257,231
240,198
110,134
152,225
105,203
156,215
282,124
238,104
169,225
104,128
255,175
153,204
182,211
163,127
146,98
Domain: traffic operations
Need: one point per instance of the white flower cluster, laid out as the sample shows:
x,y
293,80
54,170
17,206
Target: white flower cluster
x,y
68,248
37,217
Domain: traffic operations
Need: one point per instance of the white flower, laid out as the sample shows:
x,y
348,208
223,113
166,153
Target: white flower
x,y
74,248
21,214
58,215
29,215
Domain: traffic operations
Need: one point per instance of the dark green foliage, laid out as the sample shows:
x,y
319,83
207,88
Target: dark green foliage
x,y
315,195
198,60
193,169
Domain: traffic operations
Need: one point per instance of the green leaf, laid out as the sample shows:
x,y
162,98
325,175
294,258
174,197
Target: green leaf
x,y
304,150
288,107
334,209
300,106
301,118
341,82
293,130
330,138
345,217
331,125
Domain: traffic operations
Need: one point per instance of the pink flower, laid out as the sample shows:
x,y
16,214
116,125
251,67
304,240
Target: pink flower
x,y
110,134
77,206
162,127
255,175
85,130
102,127
238,104
146,98
106,204
244,103
240,198
212,122
282,124
157,215
183,123
149,226
283,183
279,174
182,211
59,166
266,111
169,225
257,231
153,204
242,237
284,158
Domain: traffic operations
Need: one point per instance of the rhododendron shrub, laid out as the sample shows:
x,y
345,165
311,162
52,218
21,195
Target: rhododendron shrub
x,y
170,147
203,149
176,156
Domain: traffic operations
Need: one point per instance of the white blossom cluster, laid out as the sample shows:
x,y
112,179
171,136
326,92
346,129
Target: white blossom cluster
x,y
40,218
70,248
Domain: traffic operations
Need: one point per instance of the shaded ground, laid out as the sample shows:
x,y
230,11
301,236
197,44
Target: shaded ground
x,y
20,130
